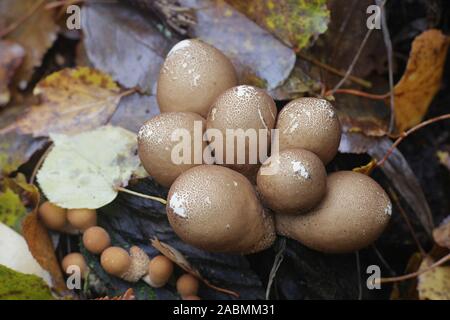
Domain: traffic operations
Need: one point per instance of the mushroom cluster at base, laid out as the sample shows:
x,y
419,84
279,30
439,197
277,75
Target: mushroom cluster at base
x,y
229,202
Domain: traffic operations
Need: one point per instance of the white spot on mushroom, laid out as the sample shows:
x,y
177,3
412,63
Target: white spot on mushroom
x,y
179,46
176,203
207,200
262,119
388,209
213,113
300,169
195,81
235,183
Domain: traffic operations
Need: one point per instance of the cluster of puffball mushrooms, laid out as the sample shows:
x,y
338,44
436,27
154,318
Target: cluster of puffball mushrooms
x,y
130,266
216,206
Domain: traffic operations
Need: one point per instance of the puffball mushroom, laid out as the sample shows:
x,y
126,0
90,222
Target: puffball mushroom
x,y
115,261
353,214
242,107
53,217
155,145
192,76
74,259
82,219
297,184
216,209
187,285
96,239
311,124
160,270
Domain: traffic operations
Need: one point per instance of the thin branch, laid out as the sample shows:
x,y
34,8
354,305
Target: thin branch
x,y
407,133
415,274
145,196
279,257
362,82
13,26
359,93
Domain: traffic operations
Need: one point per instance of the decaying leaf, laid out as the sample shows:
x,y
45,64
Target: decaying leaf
x,y
21,286
422,78
178,258
441,234
252,49
16,255
72,100
366,169
83,170
11,209
11,57
132,49
128,295
435,283
295,22
36,33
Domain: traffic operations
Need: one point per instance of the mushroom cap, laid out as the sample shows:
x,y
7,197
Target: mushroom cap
x,y
311,124
160,270
96,239
242,107
216,209
353,214
192,76
187,285
82,219
155,144
297,185
115,261
74,259
53,217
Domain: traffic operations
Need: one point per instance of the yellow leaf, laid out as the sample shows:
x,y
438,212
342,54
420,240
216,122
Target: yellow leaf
x,y
422,78
72,101
366,169
434,284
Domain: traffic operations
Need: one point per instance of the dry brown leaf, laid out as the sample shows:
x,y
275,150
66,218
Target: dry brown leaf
x,y
422,78
434,284
38,239
72,101
178,258
441,234
36,33
368,168
128,295
11,57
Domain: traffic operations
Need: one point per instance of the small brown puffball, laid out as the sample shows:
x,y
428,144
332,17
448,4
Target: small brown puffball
x,y
192,76
160,270
74,259
82,218
115,261
297,184
187,285
311,124
159,152
53,217
96,239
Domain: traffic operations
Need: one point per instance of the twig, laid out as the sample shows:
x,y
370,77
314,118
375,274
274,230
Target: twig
x,y
407,133
388,44
362,82
145,196
414,274
359,93
13,26
279,257
358,271
408,222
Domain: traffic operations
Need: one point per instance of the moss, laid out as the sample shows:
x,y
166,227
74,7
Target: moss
x,y
19,286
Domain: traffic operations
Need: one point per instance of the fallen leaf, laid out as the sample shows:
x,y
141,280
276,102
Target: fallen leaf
x,y
178,258
128,295
35,34
296,22
12,210
441,234
72,100
83,170
16,255
131,49
252,49
435,283
422,78
20,286
366,169
11,57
